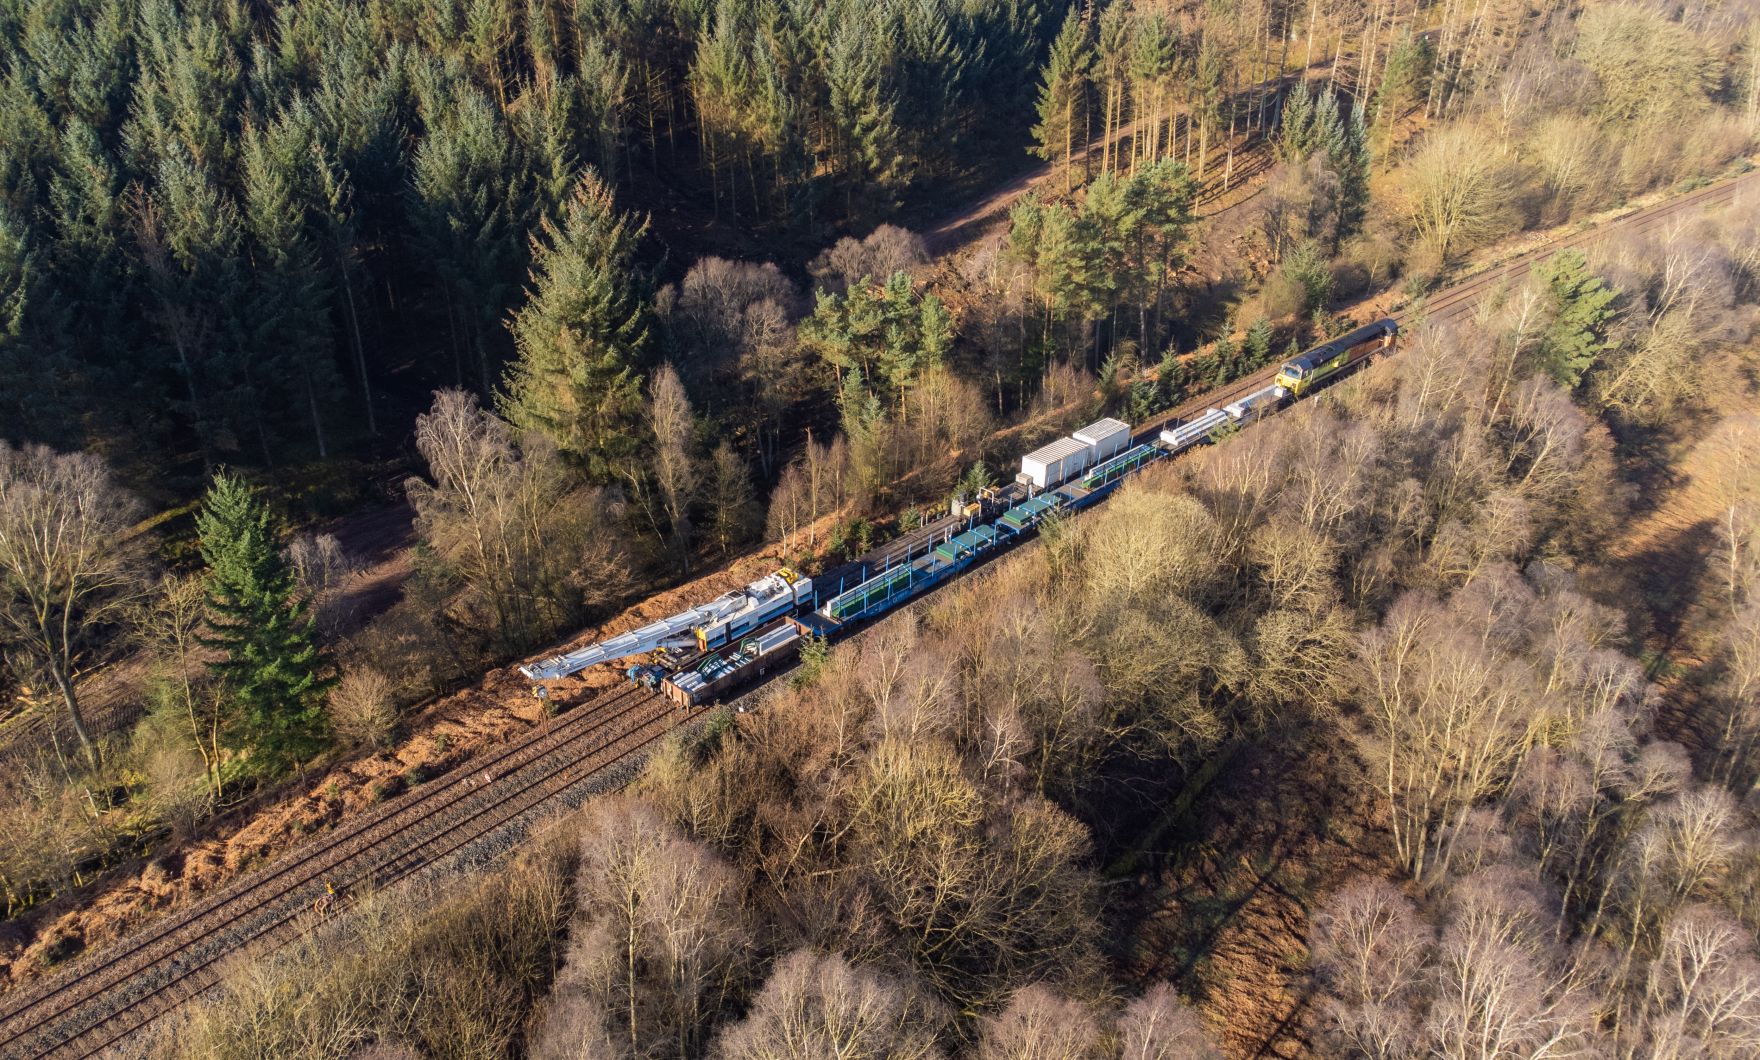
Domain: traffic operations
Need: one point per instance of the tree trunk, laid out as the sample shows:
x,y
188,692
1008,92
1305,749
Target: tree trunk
x,y
360,353
64,681
317,420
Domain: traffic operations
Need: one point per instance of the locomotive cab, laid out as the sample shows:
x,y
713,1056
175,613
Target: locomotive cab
x,y
1291,375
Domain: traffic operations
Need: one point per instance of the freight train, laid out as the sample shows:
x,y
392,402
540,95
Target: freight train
x,y
747,633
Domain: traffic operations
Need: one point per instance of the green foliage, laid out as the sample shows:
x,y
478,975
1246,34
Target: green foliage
x,y
1308,268
583,338
1405,76
1064,94
1256,347
233,224
1581,311
1223,362
1316,125
882,338
270,661
1296,137
466,201
1120,245
976,479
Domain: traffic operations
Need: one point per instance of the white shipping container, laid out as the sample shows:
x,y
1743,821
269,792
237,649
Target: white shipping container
x,y
1054,463
1104,438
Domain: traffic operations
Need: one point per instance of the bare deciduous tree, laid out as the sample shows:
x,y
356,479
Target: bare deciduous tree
x,y
660,937
1457,192
67,566
1701,995
675,466
815,1006
171,624
528,541
1040,1025
362,708
884,251
1157,1026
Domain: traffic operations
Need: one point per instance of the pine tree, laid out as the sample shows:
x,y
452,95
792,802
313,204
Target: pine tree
x,y
1581,311
1114,63
1063,96
190,240
1225,358
1296,141
583,335
1154,59
270,661
468,205
1257,344
1349,158
290,300
37,403
863,111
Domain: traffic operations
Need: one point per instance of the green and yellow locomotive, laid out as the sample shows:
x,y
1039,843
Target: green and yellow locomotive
x,y
1314,367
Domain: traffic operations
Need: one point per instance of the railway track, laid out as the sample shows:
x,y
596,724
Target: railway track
x,y
107,999
1461,299
104,1000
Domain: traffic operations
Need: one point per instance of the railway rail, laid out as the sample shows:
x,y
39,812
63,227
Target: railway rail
x,y
117,992
1462,298
122,990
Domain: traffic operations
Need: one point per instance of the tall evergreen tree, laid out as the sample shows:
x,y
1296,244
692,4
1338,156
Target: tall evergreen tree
x,y
863,112
1154,60
583,335
1064,95
290,317
37,402
1296,136
468,204
1581,310
270,661
190,240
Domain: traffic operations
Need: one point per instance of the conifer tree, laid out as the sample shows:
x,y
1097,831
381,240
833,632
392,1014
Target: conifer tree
x,y
863,112
1296,138
93,278
1114,63
1063,96
1257,344
1154,59
36,402
290,297
583,335
190,240
270,661
1350,159
468,204
1581,311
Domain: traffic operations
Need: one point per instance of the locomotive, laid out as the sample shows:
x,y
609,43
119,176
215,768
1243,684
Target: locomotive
x,y
1314,367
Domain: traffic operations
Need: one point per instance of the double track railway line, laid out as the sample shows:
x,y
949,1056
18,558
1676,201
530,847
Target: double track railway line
x,y
108,998
1460,300
97,1004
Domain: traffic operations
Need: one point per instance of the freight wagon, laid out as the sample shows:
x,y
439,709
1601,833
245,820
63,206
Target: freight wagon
x,y
1104,438
1051,465
1064,476
703,681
